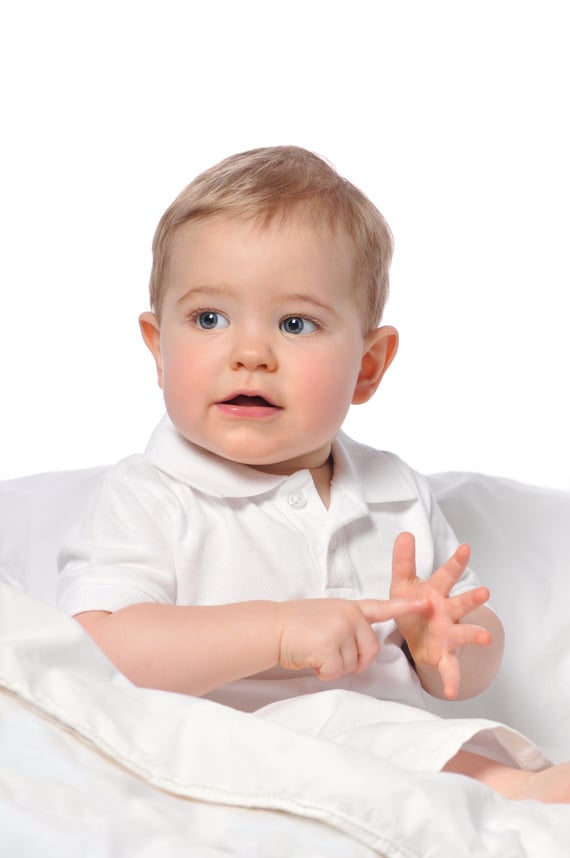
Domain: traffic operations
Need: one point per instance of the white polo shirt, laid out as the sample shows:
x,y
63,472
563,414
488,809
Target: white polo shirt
x,y
179,525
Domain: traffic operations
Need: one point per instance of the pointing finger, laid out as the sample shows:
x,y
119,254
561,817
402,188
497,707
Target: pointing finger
x,y
378,611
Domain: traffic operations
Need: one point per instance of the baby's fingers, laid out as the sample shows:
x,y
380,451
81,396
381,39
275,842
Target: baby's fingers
x,y
444,578
450,674
403,560
338,663
353,655
378,611
465,634
463,604
448,666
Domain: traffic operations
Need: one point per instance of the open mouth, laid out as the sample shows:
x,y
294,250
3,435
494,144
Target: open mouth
x,y
248,406
251,401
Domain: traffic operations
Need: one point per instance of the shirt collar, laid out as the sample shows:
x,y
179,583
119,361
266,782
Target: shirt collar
x,y
364,473
172,453
377,476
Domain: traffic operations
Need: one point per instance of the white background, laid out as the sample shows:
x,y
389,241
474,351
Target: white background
x,y
451,116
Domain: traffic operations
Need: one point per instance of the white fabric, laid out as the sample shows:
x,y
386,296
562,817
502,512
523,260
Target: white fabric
x,y
409,737
518,534
91,765
181,526
94,766
35,514
519,539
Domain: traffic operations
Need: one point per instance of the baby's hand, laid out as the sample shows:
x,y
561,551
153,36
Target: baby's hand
x,y
434,636
334,636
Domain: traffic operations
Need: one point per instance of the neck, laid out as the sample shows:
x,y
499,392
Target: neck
x,y
322,477
321,473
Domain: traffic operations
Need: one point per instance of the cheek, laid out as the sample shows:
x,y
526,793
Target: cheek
x,y
328,385
182,369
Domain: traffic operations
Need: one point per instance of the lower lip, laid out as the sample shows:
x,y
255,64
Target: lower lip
x,y
247,412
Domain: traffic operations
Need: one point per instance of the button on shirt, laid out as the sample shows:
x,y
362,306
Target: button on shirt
x,y
179,525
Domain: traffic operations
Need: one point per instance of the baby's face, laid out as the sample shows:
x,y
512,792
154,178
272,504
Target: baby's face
x,y
260,343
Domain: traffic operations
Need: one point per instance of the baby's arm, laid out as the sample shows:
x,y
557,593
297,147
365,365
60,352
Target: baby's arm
x,y
457,644
194,649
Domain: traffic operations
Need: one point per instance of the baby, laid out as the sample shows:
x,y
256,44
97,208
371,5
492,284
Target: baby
x,y
254,552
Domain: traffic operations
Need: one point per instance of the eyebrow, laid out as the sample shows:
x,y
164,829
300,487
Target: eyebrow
x,y
210,290
299,297
289,298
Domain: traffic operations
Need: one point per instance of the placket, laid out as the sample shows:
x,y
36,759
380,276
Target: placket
x,y
325,532
342,579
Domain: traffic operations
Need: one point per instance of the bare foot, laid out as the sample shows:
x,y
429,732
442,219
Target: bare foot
x,y
551,785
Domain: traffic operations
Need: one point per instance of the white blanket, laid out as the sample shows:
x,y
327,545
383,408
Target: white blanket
x,y
91,766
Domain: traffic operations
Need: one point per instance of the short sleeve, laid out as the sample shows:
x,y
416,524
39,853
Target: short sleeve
x,y
120,553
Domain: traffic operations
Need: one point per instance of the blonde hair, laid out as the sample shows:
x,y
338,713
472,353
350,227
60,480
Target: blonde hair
x,y
278,182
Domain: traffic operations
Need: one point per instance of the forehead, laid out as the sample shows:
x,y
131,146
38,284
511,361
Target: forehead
x,y
283,247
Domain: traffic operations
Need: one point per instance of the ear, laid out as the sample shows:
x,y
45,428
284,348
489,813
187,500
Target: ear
x,y
380,349
150,331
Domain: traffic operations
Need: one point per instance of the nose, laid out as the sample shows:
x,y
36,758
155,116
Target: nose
x,y
252,351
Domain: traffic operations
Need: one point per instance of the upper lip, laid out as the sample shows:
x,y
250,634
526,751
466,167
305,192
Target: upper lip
x,y
257,394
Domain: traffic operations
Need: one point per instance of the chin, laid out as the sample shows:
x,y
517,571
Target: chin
x,y
276,464
244,457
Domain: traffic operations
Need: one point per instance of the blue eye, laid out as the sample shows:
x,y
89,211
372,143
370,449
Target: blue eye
x,y
297,325
209,320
